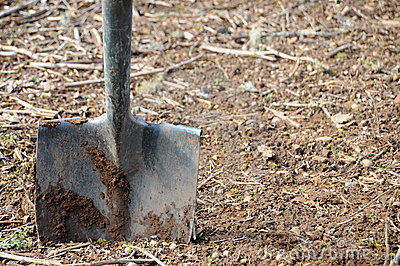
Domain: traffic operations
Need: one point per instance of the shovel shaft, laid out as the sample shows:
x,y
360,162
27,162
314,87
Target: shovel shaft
x,y
117,32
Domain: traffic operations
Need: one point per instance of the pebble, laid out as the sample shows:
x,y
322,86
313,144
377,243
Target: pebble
x,y
214,256
355,106
172,246
127,250
276,120
349,185
397,99
367,163
153,243
295,230
226,253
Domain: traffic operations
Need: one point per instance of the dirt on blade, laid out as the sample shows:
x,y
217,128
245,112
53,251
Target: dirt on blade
x,y
52,123
66,206
78,121
117,192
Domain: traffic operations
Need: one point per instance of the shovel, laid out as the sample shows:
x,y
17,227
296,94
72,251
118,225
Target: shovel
x,y
115,177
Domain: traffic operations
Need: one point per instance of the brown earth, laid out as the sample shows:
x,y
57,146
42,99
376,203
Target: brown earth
x,y
299,144
65,205
117,192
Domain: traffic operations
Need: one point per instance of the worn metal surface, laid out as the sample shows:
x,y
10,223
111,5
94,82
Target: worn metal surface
x,y
159,162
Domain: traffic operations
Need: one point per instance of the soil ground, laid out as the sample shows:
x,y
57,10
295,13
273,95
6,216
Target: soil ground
x,y
299,145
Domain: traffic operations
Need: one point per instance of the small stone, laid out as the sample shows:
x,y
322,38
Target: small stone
x,y
153,243
349,185
247,199
367,163
226,253
295,230
355,107
309,68
187,35
323,139
214,256
131,264
51,253
266,152
243,261
172,246
276,120
203,92
397,99
127,250
342,118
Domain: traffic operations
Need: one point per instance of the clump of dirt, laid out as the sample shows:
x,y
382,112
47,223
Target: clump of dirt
x,y
168,228
50,123
156,225
117,191
78,121
64,204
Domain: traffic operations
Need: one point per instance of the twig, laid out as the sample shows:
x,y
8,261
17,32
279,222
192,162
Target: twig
x,y
243,183
358,161
208,179
174,67
264,55
387,241
223,71
303,105
260,54
296,66
345,222
28,259
376,157
372,180
34,110
11,222
238,256
295,33
18,50
230,239
95,81
70,248
330,117
117,261
67,65
283,117
370,203
339,49
159,262
17,8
